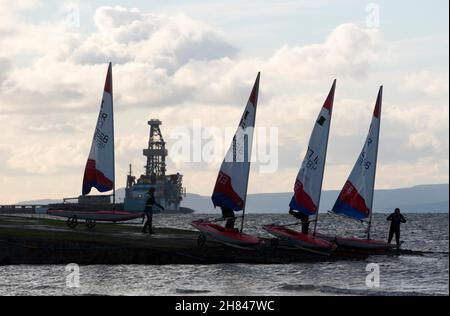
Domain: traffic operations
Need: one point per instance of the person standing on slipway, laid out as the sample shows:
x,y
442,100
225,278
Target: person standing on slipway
x,y
151,202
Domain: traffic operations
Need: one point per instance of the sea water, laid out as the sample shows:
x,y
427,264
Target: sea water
x,y
424,273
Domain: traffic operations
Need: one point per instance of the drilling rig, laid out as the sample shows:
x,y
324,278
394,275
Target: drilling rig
x,y
169,188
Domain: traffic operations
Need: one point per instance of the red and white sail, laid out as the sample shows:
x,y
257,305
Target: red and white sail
x,y
231,187
356,197
99,171
308,184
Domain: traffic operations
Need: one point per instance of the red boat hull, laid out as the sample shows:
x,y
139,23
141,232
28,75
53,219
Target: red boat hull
x,y
357,243
364,244
299,239
225,235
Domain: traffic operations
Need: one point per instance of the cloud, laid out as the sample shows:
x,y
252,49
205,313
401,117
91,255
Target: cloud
x,y
49,158
166,61
427,82
423,139
5,65
177,69
9,12
425,170
348,51
128,35
19,4
148,49
120,19
51,128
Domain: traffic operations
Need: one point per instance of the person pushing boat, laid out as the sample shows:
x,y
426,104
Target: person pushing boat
x,y
151,202
396,220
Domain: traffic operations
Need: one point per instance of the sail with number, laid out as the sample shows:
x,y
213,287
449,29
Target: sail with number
x,y
99,171
231,186
308,184
356,197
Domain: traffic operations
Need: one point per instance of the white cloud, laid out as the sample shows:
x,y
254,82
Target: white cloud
x,y
426,170
9,12
48,158
428,83
19,4
128,35
348,51
424,139
168,60
5,65
178,69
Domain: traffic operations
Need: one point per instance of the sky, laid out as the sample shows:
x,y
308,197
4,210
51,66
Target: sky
x,y
192,63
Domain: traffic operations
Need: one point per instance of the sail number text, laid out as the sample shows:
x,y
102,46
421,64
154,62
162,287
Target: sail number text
x,y
363,161
312,159
100,138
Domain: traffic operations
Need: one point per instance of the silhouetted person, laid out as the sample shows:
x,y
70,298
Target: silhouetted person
x,y
228,214
303,218
396,219
151,202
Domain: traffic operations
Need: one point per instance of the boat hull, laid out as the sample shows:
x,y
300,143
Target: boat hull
x,y
225,235
298,239
357,243
362,244
102,216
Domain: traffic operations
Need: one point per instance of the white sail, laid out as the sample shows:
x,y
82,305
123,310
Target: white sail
x,y
99,171
231,185
308,184
356,197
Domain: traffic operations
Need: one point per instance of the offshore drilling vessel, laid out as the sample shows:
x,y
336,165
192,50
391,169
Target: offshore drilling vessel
x,y
169,188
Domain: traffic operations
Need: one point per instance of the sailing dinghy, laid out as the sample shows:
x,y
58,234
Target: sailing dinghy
x,y
308,185
356,198
99,172
232,182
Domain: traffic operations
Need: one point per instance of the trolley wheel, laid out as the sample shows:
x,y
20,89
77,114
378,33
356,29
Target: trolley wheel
x,y
274,243
90,223
201,241
72,222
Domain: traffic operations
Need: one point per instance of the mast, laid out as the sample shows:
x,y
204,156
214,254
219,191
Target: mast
x,y
378,108
246,158
324,163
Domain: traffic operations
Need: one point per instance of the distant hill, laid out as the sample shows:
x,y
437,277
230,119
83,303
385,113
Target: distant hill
x,y
418,199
